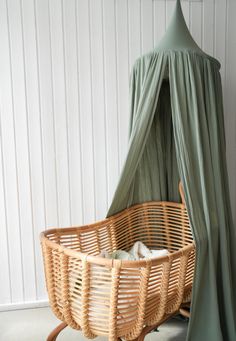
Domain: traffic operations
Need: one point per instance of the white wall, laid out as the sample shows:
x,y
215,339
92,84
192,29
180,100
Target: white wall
x,y
64,70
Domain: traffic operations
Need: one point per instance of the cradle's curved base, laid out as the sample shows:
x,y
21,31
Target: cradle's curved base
x,y
146,330
54,334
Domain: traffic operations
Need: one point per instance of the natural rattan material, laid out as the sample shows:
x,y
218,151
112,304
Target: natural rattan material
x,y
118,298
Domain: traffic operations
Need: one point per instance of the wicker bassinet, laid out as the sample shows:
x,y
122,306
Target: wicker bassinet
x,y
118,298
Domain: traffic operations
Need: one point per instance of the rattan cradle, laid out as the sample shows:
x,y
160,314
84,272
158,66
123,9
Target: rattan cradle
x,y
114,298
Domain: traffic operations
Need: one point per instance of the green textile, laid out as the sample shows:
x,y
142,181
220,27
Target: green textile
x,y
177,133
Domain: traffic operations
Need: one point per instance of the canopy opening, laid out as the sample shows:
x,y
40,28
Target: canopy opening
x,y
157,174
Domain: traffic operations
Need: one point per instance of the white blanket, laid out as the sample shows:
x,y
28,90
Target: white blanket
x,y
137,252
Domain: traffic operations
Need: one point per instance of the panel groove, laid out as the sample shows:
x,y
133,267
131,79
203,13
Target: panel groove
x,y
117,88
14,142
140,24
92,110
40,111
38,283
79,112
190,17
5,212
153,24
226,51
53,113
202,34
28,144
116,79
66,106
128,36
214,29
104,103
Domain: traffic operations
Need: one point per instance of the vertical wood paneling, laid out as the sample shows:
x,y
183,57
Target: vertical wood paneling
x,y
98,107
86,117
34,136
46,111
59,109
196,21
159,20
20,113
9,162
64,112
73,114
5,293
147,32
208,27
134,19
111,94
123,65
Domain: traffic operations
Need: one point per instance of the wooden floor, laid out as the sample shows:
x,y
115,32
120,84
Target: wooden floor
x,y
36,324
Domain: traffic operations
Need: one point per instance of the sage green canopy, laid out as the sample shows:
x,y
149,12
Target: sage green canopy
x,y
177,133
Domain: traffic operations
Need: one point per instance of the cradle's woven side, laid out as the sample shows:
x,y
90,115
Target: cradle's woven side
x,y
117,298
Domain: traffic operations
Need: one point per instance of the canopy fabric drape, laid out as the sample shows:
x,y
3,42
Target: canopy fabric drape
x,y
177,133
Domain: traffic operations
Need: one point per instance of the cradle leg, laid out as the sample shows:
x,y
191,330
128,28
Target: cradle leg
x,y
145,331
54,334
184,312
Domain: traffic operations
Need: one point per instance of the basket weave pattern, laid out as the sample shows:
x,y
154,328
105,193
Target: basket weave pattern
x,y
117,298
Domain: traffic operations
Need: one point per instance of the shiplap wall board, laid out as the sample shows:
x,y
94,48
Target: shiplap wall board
x,y
64,112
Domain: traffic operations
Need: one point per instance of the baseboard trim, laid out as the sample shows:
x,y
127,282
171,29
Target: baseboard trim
x,y
24,305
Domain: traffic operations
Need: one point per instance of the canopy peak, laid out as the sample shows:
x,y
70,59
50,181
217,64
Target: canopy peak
x,y
177,35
